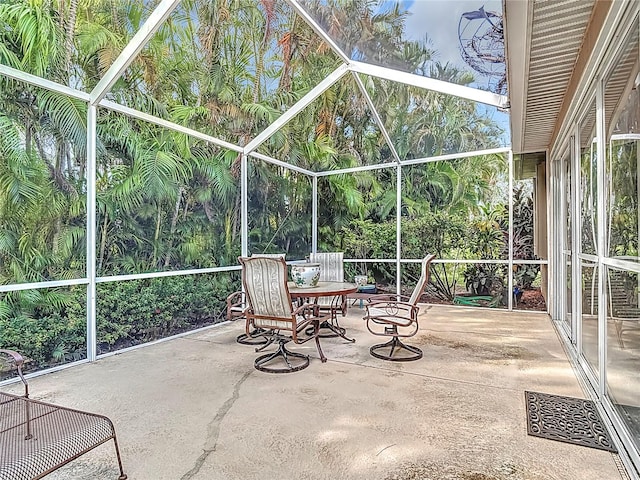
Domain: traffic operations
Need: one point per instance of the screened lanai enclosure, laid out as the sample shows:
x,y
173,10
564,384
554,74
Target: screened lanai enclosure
x,y
146,145
145,156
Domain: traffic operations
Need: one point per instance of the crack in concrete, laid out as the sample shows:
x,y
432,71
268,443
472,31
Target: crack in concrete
x,y
214,429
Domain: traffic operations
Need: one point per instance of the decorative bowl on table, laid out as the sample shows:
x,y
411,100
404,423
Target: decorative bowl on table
x,y
305,275
360,280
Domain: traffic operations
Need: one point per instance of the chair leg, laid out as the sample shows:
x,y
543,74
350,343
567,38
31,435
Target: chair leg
x,y
282,355
122,476
268,341
255,338
395,345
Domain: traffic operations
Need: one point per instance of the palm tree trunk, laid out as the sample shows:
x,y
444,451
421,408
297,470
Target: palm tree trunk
x,y
70,29
103,240
174,222
156,236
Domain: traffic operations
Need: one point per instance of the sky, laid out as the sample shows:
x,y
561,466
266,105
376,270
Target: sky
x,y
439,19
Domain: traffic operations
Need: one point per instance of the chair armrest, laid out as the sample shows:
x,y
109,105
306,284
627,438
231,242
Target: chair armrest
x,y
388,297
235,300
304,309
390,308
18,360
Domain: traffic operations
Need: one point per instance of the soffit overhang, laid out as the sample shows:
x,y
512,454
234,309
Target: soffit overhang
x,y
544,43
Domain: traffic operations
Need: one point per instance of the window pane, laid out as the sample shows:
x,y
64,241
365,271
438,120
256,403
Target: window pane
x,y
622,114
588,182
623,348
435,38
165,201
590,314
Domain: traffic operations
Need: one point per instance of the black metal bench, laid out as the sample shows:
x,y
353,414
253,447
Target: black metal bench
x,y
37,438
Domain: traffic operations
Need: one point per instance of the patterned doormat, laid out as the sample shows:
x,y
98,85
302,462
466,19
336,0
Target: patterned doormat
x,y
566,419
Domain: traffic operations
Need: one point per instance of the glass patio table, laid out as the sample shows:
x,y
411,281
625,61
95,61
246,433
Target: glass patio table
x,y
326,289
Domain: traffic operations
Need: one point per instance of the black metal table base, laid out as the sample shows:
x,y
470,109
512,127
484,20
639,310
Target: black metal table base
x,y
335,330
395,345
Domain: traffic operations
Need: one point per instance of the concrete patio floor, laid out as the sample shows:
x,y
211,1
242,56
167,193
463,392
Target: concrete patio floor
x,y
194,408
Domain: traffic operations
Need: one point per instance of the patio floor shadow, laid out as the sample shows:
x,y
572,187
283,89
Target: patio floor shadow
x,y
195,408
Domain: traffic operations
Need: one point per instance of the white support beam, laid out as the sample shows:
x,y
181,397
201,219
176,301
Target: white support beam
x,y
482,96
518,20
314,215
170,273
300,105
139,40
455,156
376,116
244,206
280,163
41,82
36,285
398,228
417,161
319,30
601,242
511,272
131,112
362,168
92,116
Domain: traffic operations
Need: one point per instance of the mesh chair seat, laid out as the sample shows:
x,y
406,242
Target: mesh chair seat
x,y
37,438
397,317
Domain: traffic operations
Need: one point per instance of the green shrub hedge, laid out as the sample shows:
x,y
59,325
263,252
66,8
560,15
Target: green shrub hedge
x,y
128,313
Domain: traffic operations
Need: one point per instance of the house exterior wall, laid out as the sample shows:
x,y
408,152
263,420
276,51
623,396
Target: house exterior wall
x,y
596,181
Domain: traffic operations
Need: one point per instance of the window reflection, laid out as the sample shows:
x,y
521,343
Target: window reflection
x,y
439,38
623,347
622,114
590,314
588,181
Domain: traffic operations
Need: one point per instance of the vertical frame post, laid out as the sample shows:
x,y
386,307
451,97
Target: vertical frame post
x,y
244,205
510,276
92,113
398,228
576,225
602,238
314,216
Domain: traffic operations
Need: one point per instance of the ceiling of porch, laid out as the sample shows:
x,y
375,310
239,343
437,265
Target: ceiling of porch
x,y
544,45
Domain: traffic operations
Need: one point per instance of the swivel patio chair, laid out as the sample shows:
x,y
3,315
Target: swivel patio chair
x,y
396,316
331,270
270,309
237,304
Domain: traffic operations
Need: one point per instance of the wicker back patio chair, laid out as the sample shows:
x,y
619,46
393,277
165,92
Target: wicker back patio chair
x,y
396,316
237,304
331,270
271,310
